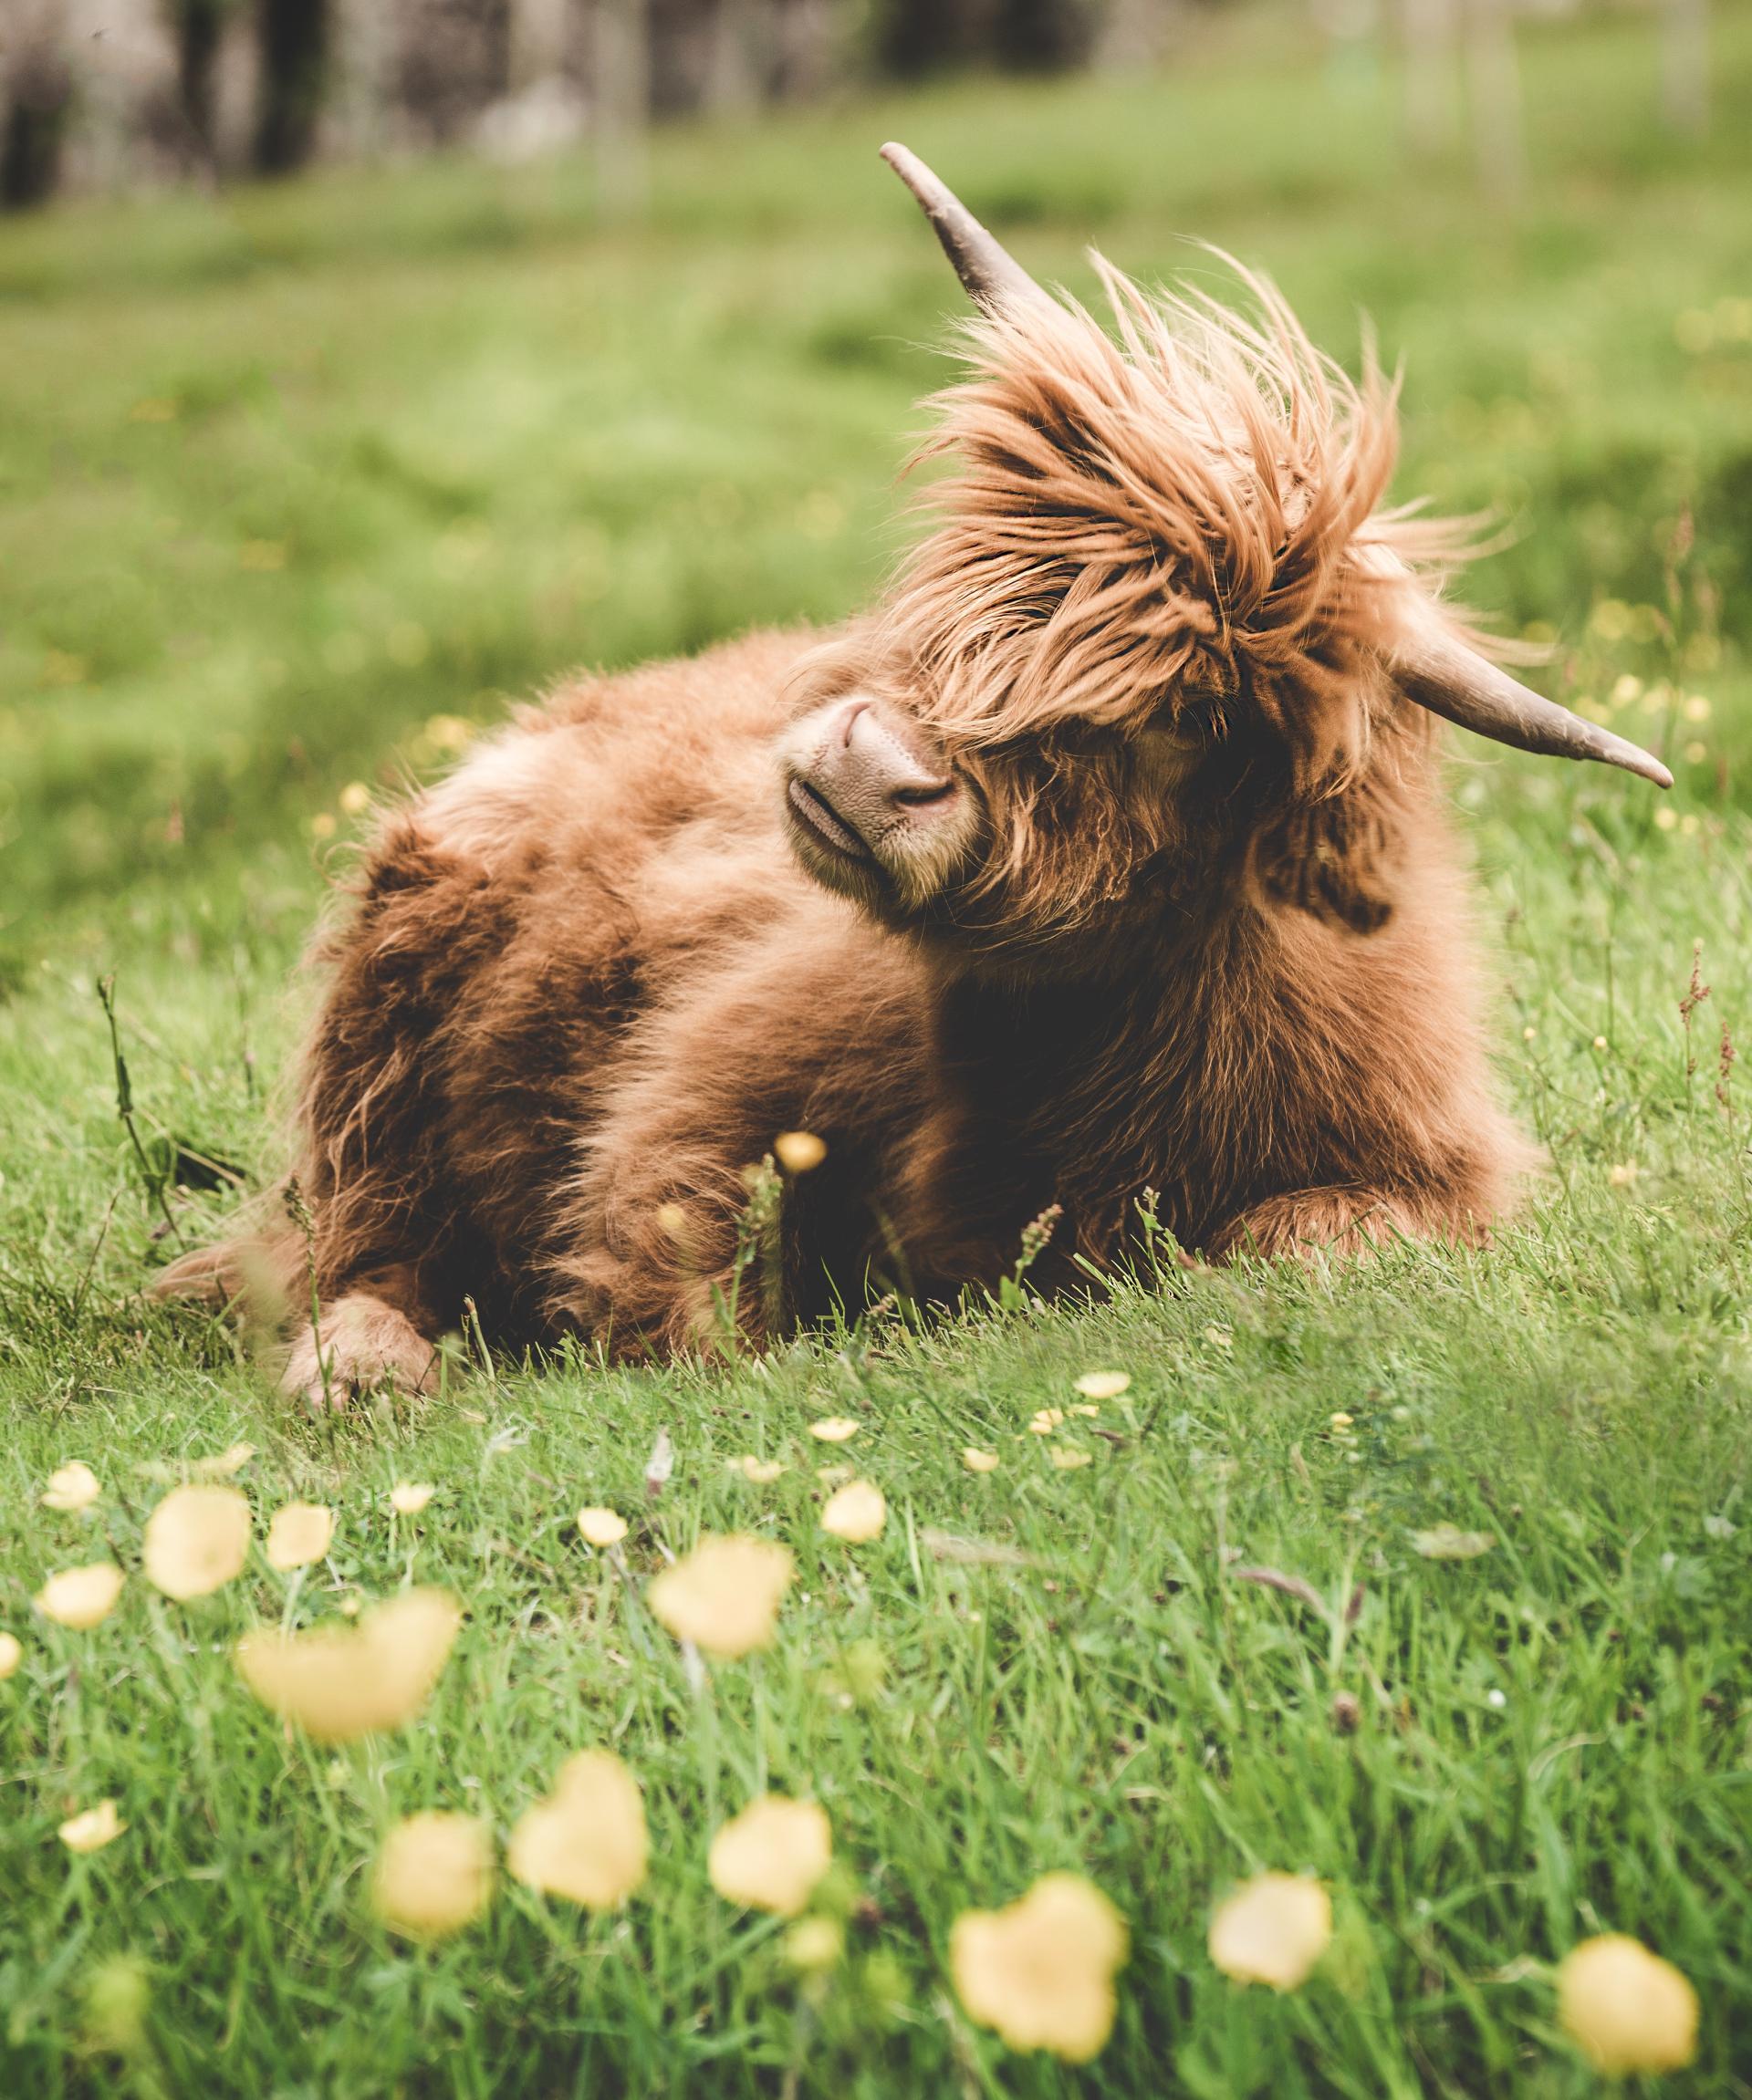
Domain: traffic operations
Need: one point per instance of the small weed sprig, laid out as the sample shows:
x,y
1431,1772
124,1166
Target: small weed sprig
x,y
1694,995
1037,1237
156,1179
298,1210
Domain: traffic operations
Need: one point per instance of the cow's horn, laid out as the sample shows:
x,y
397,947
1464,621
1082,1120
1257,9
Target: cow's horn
x,y
992,277
1451,680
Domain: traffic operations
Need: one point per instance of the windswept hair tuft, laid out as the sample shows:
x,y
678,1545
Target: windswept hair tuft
x,y
1185,506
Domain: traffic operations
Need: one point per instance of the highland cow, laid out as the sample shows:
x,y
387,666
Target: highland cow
x,y
1103,863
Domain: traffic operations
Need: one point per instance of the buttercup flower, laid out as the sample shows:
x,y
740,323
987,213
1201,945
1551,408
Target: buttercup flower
x,y
815,1943
73,1486
1626,2009
1449,1542
834,1428
338,1683
1040,1972
760,1471
93,1829
602,1527
771,1855
855,1513
1273,1929
724,1595
299,1534
1104,1385
223,1464
1069,1460
81,1596
12,1653
196,1541
978,1461
798,1151
117,1996
588,1840
434,1873
1045,1421
408,1498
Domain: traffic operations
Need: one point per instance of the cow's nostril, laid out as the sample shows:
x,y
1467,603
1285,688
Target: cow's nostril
x,y
922,797
849,722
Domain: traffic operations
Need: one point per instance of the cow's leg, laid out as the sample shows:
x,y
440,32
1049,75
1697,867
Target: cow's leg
x,y
372,1337
1336,1220
655,1248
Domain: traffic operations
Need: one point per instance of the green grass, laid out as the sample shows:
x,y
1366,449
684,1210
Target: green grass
x,y
289,478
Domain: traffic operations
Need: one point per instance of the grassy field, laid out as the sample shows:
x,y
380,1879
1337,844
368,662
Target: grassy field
x,y
300,485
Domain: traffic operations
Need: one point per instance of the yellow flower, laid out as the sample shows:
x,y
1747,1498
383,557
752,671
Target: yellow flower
x,y
1449,1542
602,1527
1341,1422
815,1943
408,1498
1040,1972
337,1683
799,1151
588,1839
1090,1410
1046,1419
434,1873
1067,1461
771,1855
92,1829
81,1596
1273,1929
978,1461
760,1471
118,1997
299,1534
73,1486
223,1464
724,1595
855,1513
12,1653
1624,2008
196,1541
834,1428
1103,1385
355,798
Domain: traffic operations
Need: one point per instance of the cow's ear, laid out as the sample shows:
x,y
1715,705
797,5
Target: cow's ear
x,y
1327,858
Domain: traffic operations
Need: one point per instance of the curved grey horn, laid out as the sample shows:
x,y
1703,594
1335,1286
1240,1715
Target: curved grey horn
x,y
1451,680
992,277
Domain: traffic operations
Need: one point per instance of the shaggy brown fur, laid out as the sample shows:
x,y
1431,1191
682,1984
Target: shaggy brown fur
x,y
1195,925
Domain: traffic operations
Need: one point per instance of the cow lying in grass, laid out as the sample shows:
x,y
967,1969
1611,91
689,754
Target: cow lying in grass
x,y
1107,854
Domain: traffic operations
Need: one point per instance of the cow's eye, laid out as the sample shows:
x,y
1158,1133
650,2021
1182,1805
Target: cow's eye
x,y
1164,757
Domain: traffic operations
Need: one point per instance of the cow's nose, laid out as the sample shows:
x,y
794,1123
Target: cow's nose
x,y
880,767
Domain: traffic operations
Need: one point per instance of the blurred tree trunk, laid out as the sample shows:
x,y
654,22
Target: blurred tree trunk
x,y
35,102
199,25
1494,75
1044,36
735,73
918,36
294,69
536,39
1132,33
1684,64
808,47
1428,28
621,72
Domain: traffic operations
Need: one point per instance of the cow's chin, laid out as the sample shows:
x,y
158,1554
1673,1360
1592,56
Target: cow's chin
x,y
894,882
